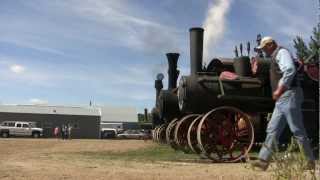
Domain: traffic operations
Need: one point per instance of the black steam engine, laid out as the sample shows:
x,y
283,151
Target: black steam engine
x,y
222,109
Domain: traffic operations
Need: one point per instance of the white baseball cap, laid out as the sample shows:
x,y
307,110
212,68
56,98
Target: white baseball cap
x,y
264,41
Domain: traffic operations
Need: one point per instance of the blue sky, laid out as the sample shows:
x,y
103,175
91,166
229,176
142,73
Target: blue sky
x,y
68,52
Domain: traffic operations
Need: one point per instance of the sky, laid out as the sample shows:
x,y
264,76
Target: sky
x,y
71,52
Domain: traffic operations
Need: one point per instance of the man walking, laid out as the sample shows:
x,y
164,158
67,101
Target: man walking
x,y
288,94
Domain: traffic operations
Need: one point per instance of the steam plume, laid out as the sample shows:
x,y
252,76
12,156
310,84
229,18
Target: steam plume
x,y
214,26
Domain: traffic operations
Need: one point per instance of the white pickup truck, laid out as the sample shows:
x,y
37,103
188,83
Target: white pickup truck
x,y
18,128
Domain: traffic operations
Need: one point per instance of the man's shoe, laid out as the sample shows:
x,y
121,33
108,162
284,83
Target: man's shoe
x,y
311,165
260,164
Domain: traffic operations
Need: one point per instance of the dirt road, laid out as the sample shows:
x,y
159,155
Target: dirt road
x,y
84,159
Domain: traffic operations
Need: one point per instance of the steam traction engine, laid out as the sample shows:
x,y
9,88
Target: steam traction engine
x,y
222,113
166,107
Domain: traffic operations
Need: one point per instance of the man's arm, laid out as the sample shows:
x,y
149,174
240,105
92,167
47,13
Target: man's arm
x,y
287,67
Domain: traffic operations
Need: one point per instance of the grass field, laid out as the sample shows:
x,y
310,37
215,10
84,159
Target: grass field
x,y
110,159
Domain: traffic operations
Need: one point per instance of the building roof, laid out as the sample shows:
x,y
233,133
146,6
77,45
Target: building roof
x,y
42,109
107,113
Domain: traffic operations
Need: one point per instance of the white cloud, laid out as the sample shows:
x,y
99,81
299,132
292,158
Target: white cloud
x,y
128,27
36,101
16,68
54,75
135,84
283,20
95,23
77,29
31,43
288,19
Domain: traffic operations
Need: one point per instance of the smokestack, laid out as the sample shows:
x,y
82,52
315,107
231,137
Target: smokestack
x,y
196,50
158,85
173,73
146,115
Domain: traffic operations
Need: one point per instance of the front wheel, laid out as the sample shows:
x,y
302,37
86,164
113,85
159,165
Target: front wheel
x,y
5,134
36,135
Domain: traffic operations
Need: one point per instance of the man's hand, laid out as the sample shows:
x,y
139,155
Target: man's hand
x,y
278,92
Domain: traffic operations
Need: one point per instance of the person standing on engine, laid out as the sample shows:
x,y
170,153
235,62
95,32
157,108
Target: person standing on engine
x,y
288,94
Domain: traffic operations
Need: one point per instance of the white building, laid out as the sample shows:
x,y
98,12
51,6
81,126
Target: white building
x,y
86,121
118,114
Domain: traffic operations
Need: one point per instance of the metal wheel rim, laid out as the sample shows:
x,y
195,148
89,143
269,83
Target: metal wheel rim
x,y
170,135
204,146
169,127
180,136
191,135
154,134
161,134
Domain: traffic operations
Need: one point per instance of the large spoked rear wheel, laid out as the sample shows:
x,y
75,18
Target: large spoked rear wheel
x,y
225,134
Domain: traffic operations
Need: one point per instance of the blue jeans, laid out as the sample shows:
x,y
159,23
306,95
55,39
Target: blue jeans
x,y
287,110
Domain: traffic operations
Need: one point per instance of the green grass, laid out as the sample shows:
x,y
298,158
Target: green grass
x,y
290,163
151,154
155,153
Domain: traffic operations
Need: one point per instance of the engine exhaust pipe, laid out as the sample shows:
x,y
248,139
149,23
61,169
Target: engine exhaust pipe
x,y
158,86
173,72
196,50
146,115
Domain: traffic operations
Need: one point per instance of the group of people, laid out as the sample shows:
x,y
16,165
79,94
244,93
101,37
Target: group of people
x,y
64,132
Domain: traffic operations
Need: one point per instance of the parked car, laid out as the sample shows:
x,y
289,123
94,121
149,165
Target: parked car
x,y
18,128
108,133
133,134
117,126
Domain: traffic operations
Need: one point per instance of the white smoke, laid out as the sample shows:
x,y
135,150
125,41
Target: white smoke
x,y
214,26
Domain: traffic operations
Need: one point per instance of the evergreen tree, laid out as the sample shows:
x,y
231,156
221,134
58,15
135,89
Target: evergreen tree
x,y
302,49
141,117
309,54
314,44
